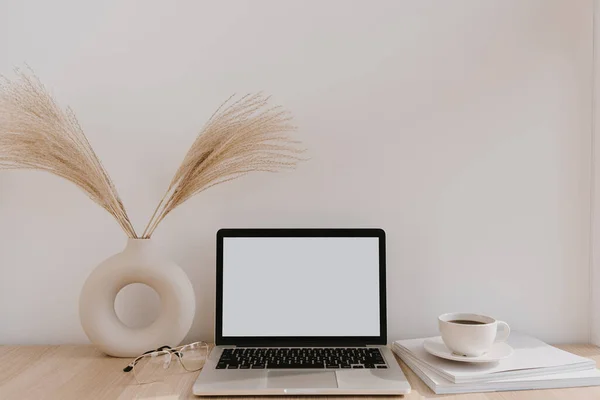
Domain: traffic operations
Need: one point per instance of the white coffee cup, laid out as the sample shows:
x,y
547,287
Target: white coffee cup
x,y
471,339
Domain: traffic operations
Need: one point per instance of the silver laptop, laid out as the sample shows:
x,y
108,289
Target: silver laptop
x,y
301,312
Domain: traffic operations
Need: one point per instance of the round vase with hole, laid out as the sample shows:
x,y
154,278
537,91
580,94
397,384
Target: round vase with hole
x,y
139,262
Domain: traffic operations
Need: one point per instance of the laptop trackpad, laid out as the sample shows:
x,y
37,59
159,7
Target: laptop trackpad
x,y
301,379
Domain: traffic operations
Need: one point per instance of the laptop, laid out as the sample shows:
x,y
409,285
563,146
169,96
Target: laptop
x,y
300,312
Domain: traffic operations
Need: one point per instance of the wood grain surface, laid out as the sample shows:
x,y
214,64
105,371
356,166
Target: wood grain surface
x,y
79,372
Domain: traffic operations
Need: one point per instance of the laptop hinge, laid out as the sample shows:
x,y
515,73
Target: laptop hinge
x,y
297,345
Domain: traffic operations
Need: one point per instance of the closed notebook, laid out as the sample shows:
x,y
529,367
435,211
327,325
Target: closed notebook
x,y
440,385
531,357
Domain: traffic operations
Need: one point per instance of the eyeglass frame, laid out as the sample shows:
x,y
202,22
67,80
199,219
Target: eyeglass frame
x,y
171,350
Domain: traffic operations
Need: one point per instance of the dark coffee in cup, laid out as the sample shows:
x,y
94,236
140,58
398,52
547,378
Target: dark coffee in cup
x,y
466,322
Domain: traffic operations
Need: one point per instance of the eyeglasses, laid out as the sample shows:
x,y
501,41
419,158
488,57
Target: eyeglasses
x,y
156,365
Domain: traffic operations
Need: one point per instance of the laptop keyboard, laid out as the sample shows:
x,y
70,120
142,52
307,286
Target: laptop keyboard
x,y
301,358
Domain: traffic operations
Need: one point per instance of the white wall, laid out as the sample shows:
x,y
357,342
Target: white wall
x,y
595,217
461,127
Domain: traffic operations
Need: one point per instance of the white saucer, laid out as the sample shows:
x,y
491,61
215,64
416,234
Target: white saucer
x,y
499,351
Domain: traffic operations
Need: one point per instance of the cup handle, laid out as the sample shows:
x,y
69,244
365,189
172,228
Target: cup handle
x,y
503,332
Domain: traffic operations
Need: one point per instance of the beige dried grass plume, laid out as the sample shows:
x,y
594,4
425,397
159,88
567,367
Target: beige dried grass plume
x,y
35,133
242,136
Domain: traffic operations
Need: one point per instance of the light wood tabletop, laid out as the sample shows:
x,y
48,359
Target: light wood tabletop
x,y
81,372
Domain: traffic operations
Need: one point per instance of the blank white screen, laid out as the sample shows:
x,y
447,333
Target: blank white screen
x,y
300,286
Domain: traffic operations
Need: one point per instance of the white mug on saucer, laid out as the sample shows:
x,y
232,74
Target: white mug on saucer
x,y
471,335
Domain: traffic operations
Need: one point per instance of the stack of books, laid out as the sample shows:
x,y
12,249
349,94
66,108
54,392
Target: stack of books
x,y
533,365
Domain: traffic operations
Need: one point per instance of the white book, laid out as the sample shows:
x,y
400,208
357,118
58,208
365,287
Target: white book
x,y
439,385
531,357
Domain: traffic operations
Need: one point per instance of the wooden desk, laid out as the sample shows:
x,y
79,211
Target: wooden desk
x,y
82,372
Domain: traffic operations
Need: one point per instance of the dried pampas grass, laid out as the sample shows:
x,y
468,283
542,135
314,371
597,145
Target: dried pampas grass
x,y
242,136
35,133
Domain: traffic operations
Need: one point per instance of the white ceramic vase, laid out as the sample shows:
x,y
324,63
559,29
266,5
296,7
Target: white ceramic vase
x,y
138,263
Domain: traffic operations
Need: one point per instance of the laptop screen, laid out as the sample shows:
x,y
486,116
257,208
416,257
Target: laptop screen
x,y
301,287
